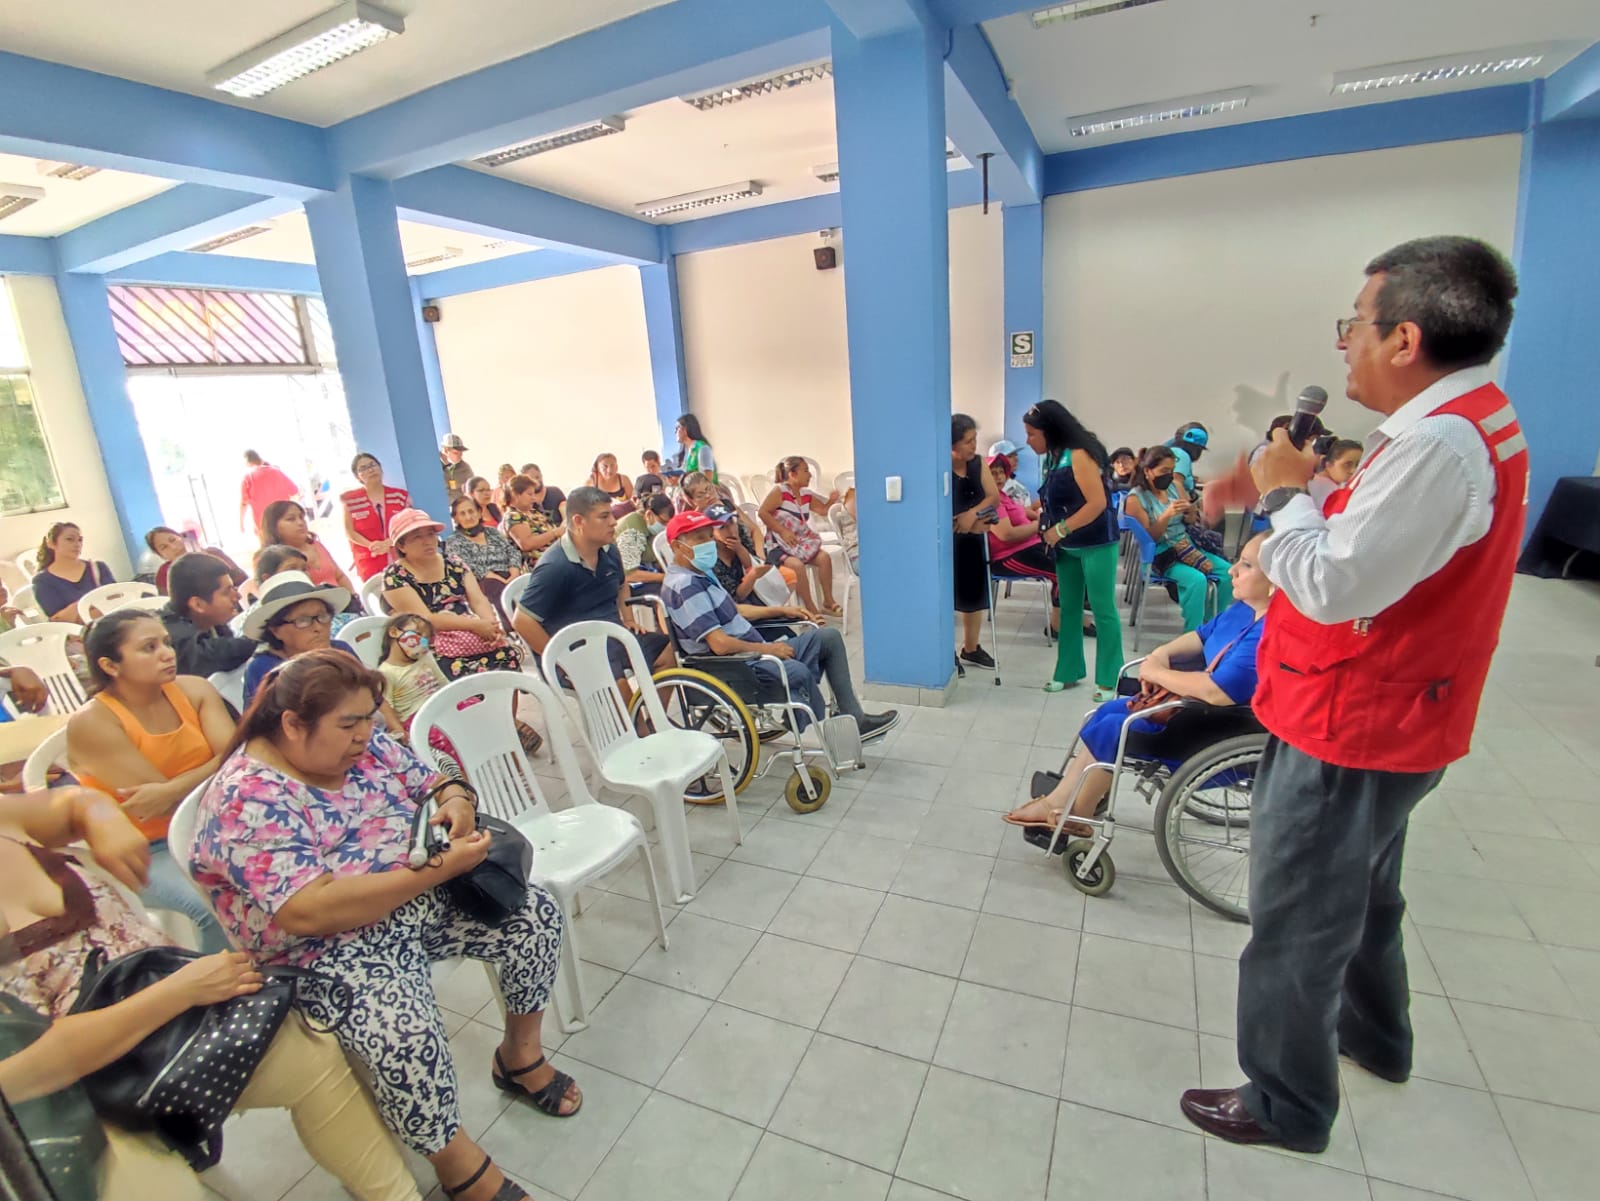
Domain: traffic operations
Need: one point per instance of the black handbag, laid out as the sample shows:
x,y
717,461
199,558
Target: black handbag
x,y
497,887
183,1080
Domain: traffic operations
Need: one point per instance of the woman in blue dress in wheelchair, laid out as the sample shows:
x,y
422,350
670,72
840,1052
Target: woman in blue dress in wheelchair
x,y
1227,644
1159,502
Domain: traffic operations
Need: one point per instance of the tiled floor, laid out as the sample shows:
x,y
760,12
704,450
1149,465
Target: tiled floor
x,y
896,998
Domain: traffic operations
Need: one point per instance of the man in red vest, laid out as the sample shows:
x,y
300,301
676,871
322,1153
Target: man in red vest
x,y
1372,661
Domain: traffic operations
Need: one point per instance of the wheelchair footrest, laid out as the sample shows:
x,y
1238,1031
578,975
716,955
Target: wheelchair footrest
x,y
841,740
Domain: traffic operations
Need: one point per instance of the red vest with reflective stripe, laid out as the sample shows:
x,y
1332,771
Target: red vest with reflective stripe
x,y
1399,691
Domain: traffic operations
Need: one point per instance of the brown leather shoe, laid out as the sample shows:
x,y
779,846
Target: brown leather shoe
x,y
1219,1111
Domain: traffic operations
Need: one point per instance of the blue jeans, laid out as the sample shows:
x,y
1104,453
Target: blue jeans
x,y
818,653
170,888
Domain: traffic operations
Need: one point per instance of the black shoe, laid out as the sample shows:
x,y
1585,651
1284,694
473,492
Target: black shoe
x,y
978,658
876,725
1392,1075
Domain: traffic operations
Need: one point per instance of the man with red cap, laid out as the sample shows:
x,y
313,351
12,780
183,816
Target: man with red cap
x,y
1372,661
707,621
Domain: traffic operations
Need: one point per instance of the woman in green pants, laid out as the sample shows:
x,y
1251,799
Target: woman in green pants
x,y
1079,525
1159,502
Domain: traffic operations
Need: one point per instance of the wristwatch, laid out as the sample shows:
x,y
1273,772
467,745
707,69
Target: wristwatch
x,y
1278,497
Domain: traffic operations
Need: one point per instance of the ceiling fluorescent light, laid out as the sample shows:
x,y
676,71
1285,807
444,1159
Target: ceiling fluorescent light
x,y
444,256
554,141
73,171
228,239
782,81
1117,119
15,197
698,200
1439,70
351,27
1081,9
829,172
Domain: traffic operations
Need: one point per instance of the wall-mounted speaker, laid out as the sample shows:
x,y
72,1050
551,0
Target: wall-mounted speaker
x,y
430,314
826,257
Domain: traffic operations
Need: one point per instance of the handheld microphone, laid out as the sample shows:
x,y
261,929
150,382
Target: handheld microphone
x,y
1308,408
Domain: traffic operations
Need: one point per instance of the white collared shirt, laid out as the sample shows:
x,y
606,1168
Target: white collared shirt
x,y
1429,494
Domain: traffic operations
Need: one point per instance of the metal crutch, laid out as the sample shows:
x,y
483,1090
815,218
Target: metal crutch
x,y
988,578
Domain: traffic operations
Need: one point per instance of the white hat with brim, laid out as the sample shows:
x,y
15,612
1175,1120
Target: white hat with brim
x,y
286,590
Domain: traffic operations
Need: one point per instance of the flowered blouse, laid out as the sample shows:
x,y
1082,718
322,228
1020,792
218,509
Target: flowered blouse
x,y
262,836
495,555
447,595
538,522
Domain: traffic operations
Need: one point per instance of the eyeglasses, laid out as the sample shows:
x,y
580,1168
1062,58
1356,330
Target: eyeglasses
x,y
309,622
1345,324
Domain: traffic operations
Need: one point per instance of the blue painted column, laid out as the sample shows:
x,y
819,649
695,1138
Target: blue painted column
x,y
889,100
1024,304
1553,359
355,233
432,375
104,378
663,325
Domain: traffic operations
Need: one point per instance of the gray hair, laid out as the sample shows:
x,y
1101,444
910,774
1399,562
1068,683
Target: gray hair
x,y
1457,290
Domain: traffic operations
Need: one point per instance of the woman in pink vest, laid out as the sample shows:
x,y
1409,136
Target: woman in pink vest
x,y
368,510
1374,655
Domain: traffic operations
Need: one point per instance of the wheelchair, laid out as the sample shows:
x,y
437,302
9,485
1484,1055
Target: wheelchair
x,y
1202,807
722,695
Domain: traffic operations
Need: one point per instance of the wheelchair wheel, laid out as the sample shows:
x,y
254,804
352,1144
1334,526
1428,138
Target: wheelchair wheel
x,y
795,794
1101,877
1202,825
697,701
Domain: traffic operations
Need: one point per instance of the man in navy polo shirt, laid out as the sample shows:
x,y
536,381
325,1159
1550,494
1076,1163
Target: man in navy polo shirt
x,y
581,578
709,622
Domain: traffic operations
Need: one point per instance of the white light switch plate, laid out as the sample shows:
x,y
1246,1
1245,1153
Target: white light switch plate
x,y
891,489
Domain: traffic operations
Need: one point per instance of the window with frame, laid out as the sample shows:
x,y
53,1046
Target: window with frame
x,y
28,479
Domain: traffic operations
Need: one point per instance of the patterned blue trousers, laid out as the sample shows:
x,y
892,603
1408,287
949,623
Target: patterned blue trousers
x,y
394,1026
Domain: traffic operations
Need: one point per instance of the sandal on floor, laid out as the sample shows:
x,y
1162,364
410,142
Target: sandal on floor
x,y
509,1189
548,1099
530,739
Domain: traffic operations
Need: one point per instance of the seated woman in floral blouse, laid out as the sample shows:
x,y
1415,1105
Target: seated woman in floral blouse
x,y
527,522
492,557
303,841
468,637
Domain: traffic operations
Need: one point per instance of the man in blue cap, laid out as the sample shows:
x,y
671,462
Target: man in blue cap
x,y
1187,446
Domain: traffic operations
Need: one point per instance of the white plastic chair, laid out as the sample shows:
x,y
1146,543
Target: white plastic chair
x,y
571,849
28,563
43,647
22,601
365,636
843,558
180,843
97,602
658,766
843,482
512,593
231,685
760,484
52,752
372,596
734,486
150,604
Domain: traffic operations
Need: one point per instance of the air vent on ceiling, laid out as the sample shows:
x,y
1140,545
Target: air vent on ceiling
x,y
698,200
14,197
73,171
554,141
1512,61
444,256
781,81
1161,112
346,29
1080,9
228,239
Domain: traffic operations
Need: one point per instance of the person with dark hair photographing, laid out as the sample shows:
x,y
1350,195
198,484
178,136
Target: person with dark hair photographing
x,y
1079,528
1389,601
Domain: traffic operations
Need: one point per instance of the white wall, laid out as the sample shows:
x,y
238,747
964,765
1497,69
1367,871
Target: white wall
x,y
553,372
65,416
767,359
1213,297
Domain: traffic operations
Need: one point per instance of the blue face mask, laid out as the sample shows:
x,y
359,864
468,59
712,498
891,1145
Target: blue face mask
x,y
705,557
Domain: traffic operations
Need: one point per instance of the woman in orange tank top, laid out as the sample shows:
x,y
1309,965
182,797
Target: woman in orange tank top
x,y
149,737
